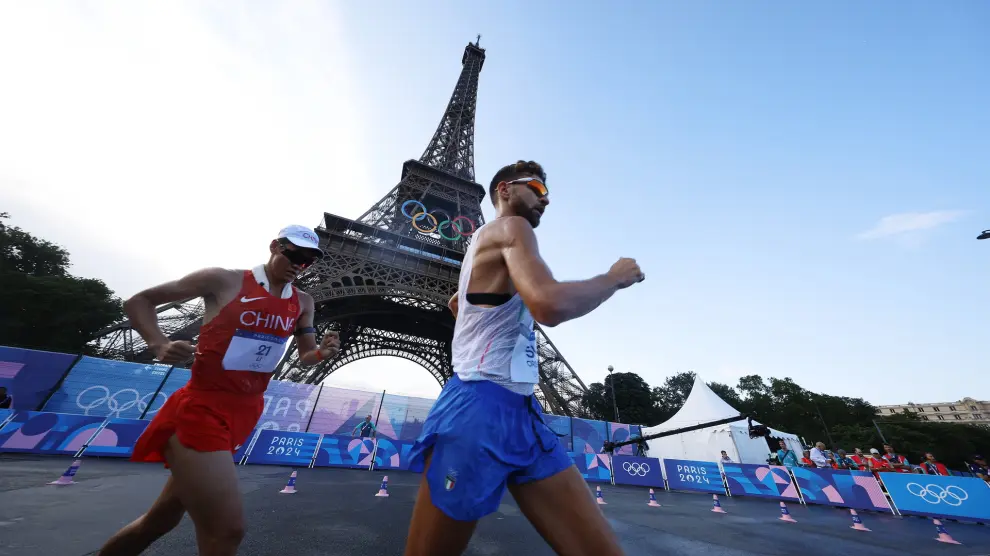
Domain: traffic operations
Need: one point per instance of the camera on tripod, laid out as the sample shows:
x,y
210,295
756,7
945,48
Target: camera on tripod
x,y
758,431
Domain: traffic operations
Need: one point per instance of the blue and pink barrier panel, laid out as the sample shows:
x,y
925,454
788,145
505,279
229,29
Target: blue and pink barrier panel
x,y
88,407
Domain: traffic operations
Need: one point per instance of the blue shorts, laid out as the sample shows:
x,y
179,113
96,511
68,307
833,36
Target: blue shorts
x,y
484,437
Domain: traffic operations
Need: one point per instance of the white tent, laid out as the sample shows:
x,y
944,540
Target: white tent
x,y
706,444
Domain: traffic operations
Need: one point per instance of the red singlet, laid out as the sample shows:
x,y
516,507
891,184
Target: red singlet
x,y
237,352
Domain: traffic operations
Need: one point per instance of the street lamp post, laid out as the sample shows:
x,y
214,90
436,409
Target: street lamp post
x,y
612,386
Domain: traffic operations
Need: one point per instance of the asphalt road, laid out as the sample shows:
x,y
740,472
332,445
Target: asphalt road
x,y
335,512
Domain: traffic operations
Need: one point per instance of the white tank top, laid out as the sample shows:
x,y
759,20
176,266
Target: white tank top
x,y
497,344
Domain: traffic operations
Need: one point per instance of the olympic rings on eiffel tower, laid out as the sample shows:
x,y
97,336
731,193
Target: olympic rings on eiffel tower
x,y
438,225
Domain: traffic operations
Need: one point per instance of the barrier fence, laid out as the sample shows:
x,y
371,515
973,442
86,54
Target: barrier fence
x,y
99,408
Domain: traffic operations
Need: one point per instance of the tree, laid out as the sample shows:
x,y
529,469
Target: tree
x,y
632,396
42,306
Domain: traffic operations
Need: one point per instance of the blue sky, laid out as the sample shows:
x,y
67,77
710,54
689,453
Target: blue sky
x,y
802,184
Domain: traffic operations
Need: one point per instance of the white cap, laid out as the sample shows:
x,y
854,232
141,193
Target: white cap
x,y
301,237
874,451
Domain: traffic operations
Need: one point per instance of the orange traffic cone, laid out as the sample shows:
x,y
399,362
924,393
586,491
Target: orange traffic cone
x,y
716,507
290,487
598,497
943,535
653,500
857,522
785,515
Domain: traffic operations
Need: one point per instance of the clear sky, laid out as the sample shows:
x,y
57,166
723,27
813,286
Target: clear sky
x,y
802,185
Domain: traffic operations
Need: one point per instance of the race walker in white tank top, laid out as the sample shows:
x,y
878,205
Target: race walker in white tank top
x,y
497,344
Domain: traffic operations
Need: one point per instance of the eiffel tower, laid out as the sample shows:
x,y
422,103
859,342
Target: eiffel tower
x,y
387,276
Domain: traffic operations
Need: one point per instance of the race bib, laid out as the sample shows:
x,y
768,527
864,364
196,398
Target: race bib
x,y
525,363
253,351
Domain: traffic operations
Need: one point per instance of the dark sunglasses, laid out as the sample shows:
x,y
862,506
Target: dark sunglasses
x,y
536,185
297,257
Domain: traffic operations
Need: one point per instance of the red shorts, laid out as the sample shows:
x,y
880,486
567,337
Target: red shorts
x,y
203,420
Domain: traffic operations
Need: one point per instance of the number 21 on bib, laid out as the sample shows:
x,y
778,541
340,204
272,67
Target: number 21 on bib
x,y
253,351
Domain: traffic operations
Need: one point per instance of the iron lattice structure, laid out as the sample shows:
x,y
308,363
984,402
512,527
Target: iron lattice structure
x,y
387,277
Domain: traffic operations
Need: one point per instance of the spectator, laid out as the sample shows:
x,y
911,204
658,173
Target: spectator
x,y
786,456
366,427
859,458
933,467
877,464
844,462
897,462
818,455
6,400
806,460
725,457
979,468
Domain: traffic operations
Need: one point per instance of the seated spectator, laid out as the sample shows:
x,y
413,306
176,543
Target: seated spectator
x,y
786,456
806,460
933,467
859,458
897,462
725,457
877,464
842,461
979,468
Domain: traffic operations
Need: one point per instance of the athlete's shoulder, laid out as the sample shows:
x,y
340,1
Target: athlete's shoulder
x,y
305,300
509,229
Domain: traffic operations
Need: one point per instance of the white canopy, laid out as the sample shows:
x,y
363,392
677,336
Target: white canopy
x,y
702,406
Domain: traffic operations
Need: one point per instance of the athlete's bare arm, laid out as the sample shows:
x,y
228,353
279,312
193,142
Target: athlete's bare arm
x,y
216,286
309,352
452,304
552,302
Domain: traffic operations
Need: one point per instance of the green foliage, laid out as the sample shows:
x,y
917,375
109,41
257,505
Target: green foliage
x,y
42,306
839,422
632,395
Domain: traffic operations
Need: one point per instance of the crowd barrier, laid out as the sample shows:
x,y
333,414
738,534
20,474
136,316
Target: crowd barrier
x,y
90,407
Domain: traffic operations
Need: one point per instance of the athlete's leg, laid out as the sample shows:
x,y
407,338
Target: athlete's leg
x,y
206,483
563,511
138,535
432,532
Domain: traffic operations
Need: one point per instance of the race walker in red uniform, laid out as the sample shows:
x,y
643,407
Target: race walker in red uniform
x,y
249,317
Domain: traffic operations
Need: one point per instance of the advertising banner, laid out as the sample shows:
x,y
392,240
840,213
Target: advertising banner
x,y
292,449
937,496
116,438
288,406
29,375
839,487
37,432
620,432
702,476
595,468
632,470
393,454
110,389
745,479
344,451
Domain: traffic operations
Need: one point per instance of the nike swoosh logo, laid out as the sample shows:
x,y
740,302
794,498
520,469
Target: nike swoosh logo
x,y
250,299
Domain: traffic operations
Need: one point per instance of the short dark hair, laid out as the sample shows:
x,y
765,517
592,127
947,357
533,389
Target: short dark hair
x,y
514,171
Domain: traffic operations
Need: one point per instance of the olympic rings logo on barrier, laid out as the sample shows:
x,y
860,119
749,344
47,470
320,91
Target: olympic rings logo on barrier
x,y
114,406
935,494
636,468
437,225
